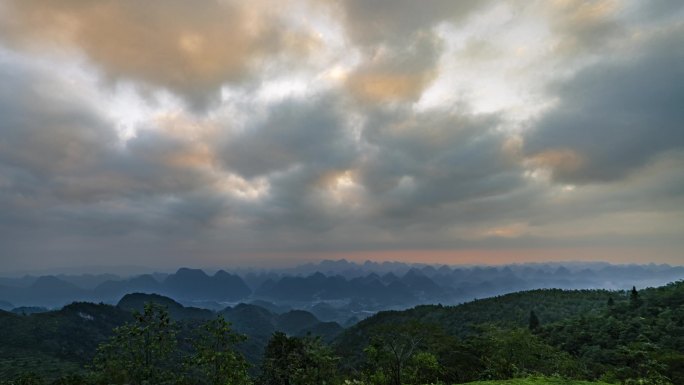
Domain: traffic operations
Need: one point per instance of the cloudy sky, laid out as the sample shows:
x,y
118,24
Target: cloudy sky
x,y
222,133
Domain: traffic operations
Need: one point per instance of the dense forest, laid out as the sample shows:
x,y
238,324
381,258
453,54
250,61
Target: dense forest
x,y
533,337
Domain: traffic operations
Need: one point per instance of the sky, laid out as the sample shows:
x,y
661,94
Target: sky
x,y
268,132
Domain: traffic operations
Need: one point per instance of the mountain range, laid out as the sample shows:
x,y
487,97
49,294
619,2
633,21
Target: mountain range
x,y
623,326
339,291
69,336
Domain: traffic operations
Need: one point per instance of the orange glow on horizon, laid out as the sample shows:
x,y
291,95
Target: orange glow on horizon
x,y
474,256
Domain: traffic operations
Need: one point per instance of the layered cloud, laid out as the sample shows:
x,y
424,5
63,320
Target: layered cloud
x,y
160,131
191,49
616,116
398,74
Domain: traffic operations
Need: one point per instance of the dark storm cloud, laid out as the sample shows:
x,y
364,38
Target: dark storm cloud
x,y
44,136
307,132
44,132
408,170
300,146
616,116
63,165
166,216
657,188
422,162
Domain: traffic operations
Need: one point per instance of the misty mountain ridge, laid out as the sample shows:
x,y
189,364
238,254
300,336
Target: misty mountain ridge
x,y
337,291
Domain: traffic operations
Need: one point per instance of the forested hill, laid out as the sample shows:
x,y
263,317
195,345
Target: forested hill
x,y
536,381
589,334
583,335
66,339
508,310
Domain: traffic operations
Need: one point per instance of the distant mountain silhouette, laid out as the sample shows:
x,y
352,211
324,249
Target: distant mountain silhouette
x,y
420,284
251,319
256,321
196,284
348,289
389,278
44,291
6,306
185,284
378,286
25,310
88,281
318,287
137,301
270,306
295,321
24,281
325,311
116,289
51,286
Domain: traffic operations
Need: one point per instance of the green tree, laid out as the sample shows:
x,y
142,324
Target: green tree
x,y
459,362
423,368
215,355
391,349
534,321
319,363
71,379
28,379
510,353
279,356
142,351
634,300
297,361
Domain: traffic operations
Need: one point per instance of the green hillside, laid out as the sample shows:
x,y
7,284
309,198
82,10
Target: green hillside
x,y
539,337
511,310
54,343
137,301
58,342
586,334
536,381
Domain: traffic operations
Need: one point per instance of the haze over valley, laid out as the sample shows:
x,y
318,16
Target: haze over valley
x,y
339,291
